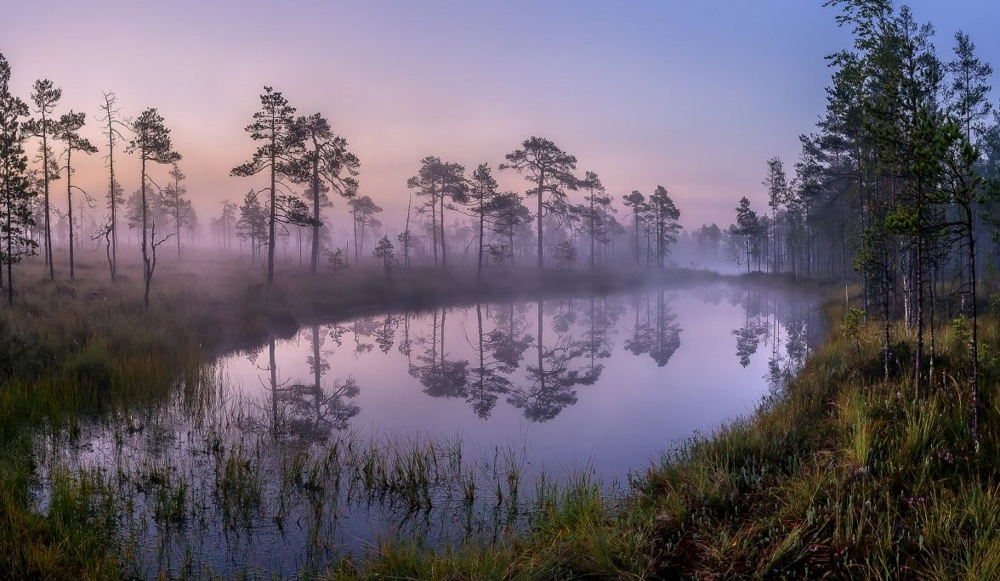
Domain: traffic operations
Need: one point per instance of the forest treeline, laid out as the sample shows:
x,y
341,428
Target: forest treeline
x,y
897,187
298,168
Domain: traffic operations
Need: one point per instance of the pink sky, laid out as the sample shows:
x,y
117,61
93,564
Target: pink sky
x,y
695,96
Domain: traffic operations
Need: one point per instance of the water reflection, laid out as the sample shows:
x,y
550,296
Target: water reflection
x,y
314,409
305,449
658,333
439,375
769,321
483,358
307,409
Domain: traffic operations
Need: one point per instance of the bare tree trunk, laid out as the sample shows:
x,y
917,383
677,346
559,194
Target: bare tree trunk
x,y
919,305
541,369
635,218
273,211
541,183
10,263
314,257
69,201
145,250
482,225
974,346
444,255
593,229
434,226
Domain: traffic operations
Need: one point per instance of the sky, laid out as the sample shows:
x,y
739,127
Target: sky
x,y
694,96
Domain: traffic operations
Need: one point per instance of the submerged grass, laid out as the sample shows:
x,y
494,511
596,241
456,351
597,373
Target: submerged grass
x,y
86,349
845,477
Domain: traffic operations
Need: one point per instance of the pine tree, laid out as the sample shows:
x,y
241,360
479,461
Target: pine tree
x,y
439,180
550,169
665,216
151,140
637,202
45,97
280,154
482,191
15,196
329,166
68,131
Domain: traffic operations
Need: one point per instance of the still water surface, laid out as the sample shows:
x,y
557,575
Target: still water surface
x,y
438,425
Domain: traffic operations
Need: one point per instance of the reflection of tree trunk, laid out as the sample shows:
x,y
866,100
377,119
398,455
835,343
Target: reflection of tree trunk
x,y
274,388
434,344
593,327
406,336
444,312
444,256
660,320
541,369
317,372
482,359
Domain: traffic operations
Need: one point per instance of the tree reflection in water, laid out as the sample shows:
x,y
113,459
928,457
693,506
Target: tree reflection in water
x,y
572,341
311,410
488,380
554,377
440,376
656,332
753,330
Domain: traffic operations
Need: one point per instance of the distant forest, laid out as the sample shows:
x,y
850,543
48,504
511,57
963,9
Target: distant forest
x,y
897,189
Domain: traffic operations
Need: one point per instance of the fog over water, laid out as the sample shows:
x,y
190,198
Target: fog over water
x,y
282,460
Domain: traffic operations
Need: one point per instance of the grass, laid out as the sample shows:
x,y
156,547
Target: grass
x,y
845,477
86,348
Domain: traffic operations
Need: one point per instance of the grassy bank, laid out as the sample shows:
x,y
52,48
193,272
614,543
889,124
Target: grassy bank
x,y
79,346
846,477
84,348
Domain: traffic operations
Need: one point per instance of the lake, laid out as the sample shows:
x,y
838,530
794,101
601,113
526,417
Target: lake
x,y
440,425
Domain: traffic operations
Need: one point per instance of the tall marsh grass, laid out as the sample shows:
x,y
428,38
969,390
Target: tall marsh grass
x,y
846,476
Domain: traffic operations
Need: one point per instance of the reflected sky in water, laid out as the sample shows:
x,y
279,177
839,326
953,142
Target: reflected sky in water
x,y
608,382
271,462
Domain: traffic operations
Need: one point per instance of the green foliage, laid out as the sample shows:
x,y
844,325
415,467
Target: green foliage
x,y
91,366
16,218
961,332
853,326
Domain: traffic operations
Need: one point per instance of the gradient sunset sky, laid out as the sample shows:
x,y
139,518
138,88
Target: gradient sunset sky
x,y
693,95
